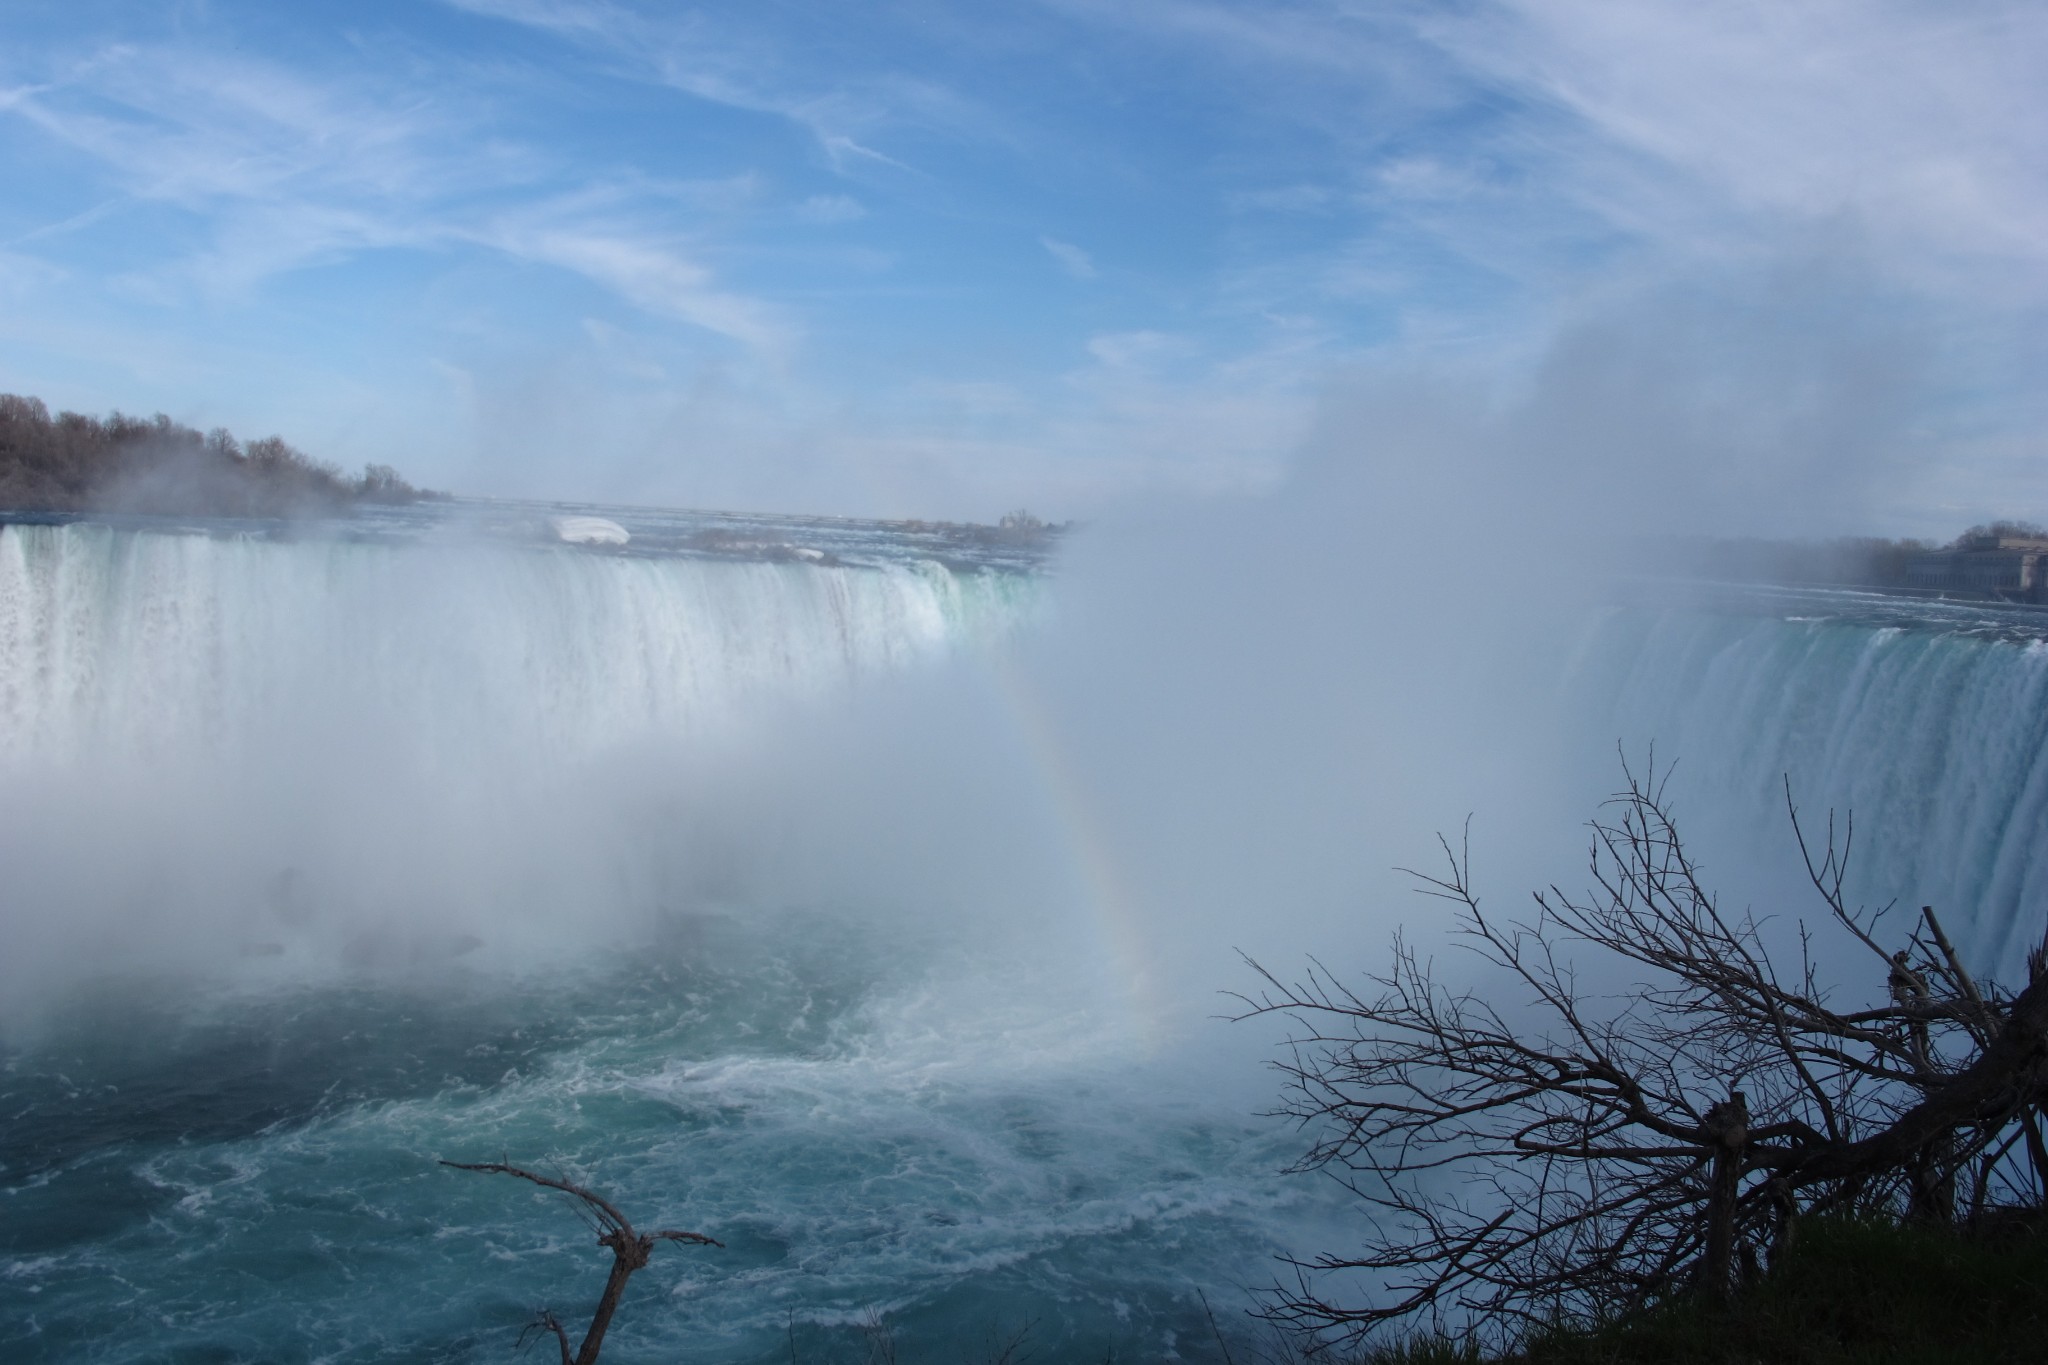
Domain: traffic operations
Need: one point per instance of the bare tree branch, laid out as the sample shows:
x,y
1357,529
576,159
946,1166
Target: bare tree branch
x,y
630,1252
1604,1150
546,1321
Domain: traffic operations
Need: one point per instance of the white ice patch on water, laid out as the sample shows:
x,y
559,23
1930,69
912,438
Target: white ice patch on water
x,y
589,531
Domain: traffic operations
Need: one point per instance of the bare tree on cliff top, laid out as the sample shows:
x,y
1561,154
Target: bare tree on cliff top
x,y
630,1252
1615,1148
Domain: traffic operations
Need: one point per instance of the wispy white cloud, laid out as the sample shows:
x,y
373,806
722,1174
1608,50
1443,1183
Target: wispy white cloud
x,y
843,152
288,171
831,208
1426,177
20,274
1688,127
1339,37
1127,351
1159,410
1070,258
194,126
653,277
1352,70
730,64
1922,119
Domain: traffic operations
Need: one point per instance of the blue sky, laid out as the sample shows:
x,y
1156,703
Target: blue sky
x,y
943,259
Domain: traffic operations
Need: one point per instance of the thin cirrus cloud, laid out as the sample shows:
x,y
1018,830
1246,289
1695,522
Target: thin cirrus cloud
x,y
195,127
1921,119
732,65
653,277
831,208
1676,123
1070,258
287,171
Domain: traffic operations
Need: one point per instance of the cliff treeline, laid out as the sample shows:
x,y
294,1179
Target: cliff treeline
x,y
1846,561
153,466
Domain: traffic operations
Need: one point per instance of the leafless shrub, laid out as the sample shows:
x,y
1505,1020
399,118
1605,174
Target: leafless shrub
x,y
1614,1149
630,1252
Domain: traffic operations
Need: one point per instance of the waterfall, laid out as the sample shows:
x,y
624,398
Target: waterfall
x,y
463,711
150,643
216,747
1934,737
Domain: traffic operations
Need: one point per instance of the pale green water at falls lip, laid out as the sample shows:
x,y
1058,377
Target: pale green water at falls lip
x,y
656,532
1977,620
256,1180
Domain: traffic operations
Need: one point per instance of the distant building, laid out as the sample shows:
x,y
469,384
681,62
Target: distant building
x,y
2007,568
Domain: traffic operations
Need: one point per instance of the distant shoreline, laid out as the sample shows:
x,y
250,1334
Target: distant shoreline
x,y
76,464
651,532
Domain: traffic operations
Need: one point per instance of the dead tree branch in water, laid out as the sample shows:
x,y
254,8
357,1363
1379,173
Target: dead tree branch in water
x,y
1596,1145
630,1252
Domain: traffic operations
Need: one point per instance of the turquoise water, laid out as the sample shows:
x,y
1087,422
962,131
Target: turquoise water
x,y
255,1180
